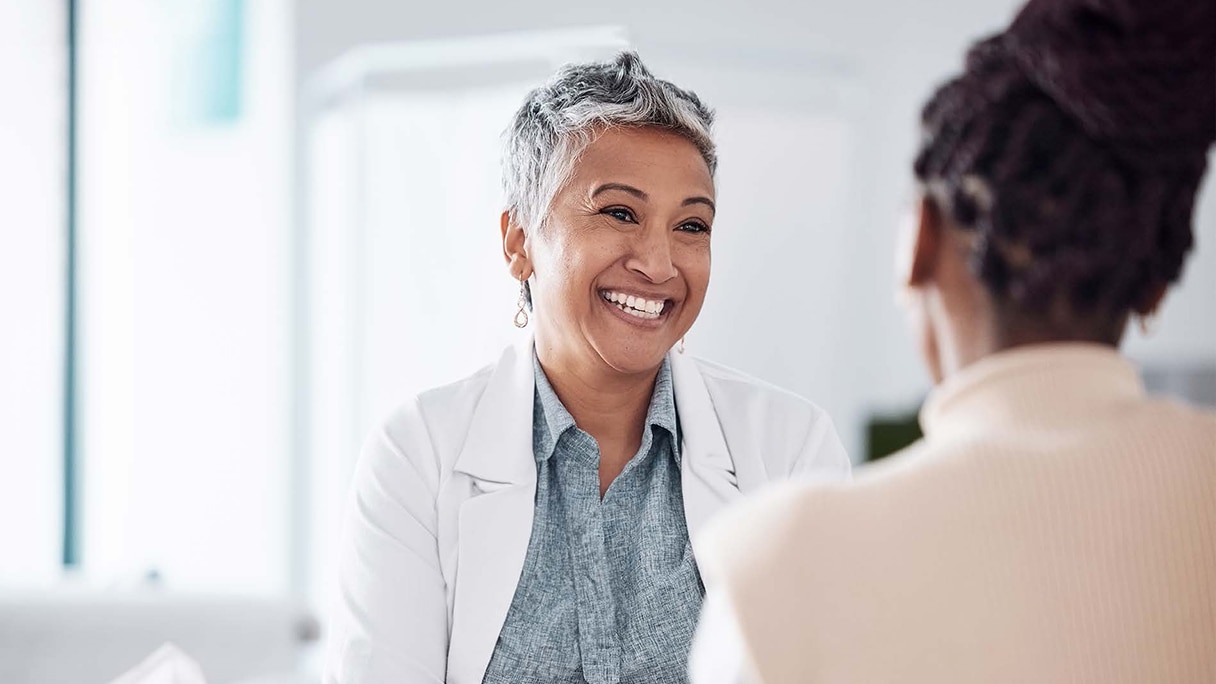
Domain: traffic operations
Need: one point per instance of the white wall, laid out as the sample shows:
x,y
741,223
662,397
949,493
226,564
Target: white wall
x,y
185,308
33,156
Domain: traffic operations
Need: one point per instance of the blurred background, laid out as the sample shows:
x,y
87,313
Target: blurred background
x,y
235,233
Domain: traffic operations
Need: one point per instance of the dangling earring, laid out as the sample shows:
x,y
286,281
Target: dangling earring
x,y
521,316
680,346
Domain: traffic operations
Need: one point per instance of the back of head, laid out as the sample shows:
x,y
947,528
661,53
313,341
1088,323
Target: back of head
x,y
1073,146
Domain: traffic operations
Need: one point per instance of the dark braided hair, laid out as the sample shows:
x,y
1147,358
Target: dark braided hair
x,y
1072,148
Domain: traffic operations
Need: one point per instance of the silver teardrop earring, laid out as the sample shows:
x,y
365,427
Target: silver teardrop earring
x,y
680,346
521,316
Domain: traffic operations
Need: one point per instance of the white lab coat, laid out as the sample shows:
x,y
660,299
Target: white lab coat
x,y
441,508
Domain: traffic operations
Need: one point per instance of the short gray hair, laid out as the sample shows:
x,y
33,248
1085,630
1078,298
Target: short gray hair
x,y
559,119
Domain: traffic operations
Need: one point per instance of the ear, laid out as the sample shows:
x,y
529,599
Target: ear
x,y
515,248
921,242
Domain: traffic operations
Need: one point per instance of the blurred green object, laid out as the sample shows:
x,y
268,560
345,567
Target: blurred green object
x,y
888,434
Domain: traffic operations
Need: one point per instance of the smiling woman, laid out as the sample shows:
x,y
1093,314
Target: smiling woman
x,y
622,265
621,272
534,522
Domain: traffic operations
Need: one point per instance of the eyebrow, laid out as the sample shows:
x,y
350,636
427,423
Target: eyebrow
x,y
629,189
701,200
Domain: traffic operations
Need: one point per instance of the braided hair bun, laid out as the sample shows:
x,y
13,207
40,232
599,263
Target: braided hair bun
x,y
1073,146
1136,73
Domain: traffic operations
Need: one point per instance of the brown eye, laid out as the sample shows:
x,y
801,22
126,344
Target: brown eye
x,y
693,227
620,214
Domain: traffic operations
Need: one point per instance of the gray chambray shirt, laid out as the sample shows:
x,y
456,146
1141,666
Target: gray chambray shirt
x,y
609,590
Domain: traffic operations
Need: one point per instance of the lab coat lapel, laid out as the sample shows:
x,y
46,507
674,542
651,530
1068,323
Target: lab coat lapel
x,y
495,522
707,470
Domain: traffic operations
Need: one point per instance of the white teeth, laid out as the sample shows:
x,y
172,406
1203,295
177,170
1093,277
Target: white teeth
x,y
636,306
639,314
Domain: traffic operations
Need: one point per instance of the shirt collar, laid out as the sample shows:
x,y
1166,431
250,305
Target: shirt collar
x,y
553,420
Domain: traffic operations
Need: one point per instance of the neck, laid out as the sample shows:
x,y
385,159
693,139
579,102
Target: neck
x,y
981,333
607,404
1015,329
963,331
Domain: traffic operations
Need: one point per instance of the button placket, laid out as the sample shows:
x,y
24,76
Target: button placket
x,y
585,528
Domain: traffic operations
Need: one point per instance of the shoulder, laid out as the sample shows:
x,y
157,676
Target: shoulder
x,y
784,523
756,526
425,432
446,407
731,389
771,433
728,381
437,409
1181,420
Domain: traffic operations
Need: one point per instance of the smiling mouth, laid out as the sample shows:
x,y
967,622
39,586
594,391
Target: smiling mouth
x,y
638,307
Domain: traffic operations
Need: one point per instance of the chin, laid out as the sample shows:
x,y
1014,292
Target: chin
x,y
629,357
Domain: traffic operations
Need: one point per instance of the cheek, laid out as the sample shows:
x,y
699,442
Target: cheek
x,y
571,265
694,266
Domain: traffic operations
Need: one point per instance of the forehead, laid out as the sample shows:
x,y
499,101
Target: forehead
x,y
649,158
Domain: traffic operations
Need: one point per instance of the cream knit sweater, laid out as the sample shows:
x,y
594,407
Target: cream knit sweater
x,y
1055,525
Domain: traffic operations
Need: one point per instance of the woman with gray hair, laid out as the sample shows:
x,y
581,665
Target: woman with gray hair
x,y
531,523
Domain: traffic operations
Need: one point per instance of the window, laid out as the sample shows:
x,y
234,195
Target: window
x,y
184,277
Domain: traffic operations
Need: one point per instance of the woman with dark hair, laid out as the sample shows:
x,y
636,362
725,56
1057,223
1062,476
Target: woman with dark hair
x,y
1055,524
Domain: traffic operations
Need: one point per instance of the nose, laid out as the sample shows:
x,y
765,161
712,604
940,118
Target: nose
x,y
651,255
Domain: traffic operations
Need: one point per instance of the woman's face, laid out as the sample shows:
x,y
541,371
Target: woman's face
x,y
621,266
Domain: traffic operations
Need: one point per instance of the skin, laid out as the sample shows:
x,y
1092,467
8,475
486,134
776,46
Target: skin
x,y
635,218
955,319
